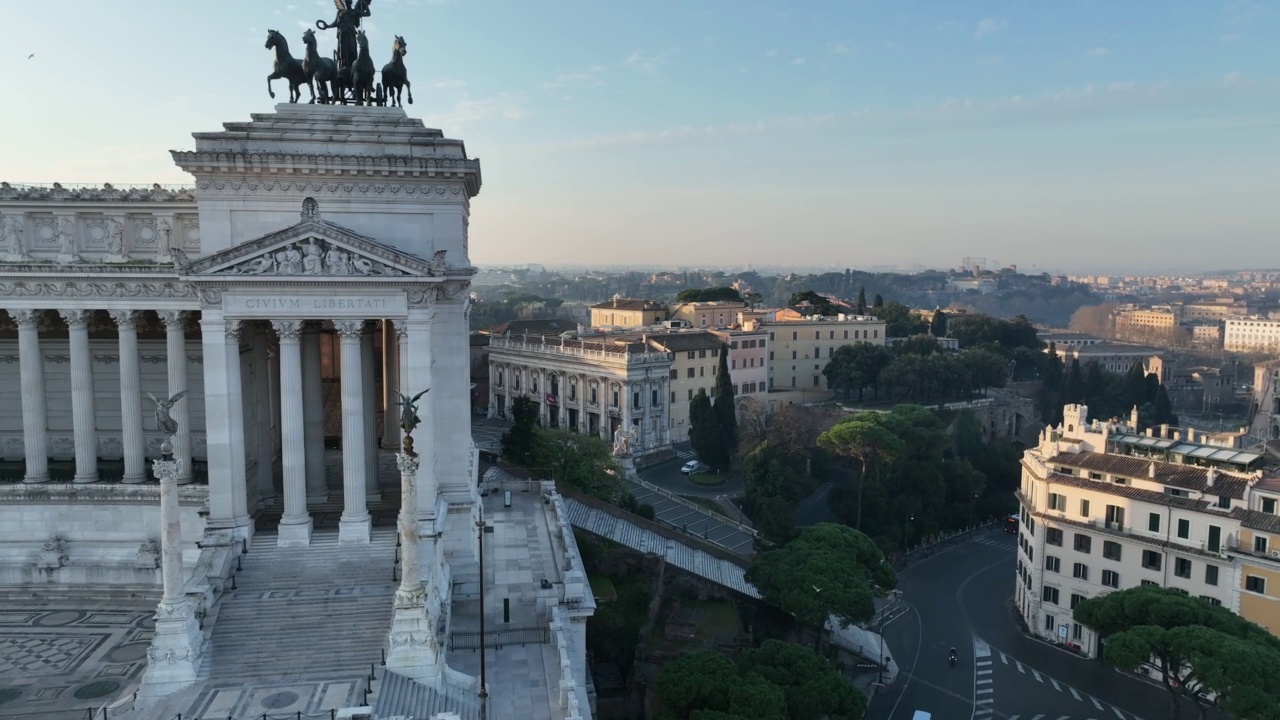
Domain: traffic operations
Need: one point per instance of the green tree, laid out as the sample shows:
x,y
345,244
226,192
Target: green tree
x,y
714,294
1175,634
865,437
985,368
877,302
1162,408
519,443
771,492
861,307
827,571
582,462
820,304
917,345
812,687
899,320
1134,386
704,434
938,325
1073,387
856,367
724,409
699,680
1095,387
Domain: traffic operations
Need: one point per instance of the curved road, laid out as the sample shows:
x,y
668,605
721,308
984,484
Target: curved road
x,y
962,597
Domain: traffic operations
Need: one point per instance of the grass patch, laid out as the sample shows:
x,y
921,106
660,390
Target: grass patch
x,y
602,588
707,479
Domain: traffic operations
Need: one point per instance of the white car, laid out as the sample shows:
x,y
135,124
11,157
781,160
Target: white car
x,y
693,466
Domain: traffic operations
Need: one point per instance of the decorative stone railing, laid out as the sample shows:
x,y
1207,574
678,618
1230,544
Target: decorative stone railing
x,y
600,351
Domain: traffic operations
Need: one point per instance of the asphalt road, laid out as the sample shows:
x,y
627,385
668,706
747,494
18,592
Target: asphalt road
x,y
962,597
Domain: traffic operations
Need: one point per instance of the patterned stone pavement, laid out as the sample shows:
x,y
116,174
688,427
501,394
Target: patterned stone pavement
x,y
66,656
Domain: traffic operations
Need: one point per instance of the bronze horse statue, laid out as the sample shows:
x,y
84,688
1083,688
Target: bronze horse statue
x,y
395,75
286,66
322,72
362,72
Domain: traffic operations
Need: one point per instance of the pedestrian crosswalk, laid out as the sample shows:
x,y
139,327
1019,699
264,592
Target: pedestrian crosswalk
x,y
1004,542
1097,709
685,454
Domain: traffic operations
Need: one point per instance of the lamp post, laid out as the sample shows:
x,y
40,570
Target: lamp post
x,y
480,525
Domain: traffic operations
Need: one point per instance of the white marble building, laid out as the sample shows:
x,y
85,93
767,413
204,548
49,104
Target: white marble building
x,y
308,221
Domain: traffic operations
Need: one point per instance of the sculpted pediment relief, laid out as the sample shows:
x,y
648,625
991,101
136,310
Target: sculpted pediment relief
x,y
314,248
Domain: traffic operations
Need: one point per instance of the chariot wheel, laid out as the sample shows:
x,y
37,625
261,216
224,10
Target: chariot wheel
x,y
380,97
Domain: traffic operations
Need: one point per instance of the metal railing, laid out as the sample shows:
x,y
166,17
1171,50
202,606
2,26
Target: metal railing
x,y
536,635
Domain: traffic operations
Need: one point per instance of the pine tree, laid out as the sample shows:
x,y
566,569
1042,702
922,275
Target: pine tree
x,y
938,325
724,407
862,301
877,301
703,433
1073,390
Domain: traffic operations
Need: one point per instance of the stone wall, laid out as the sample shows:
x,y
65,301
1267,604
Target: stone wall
x,y
63,534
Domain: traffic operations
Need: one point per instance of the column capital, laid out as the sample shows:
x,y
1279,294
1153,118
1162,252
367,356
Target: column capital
x,y
349,329
125,318
76,319
26,319
287,329
174,319
233,328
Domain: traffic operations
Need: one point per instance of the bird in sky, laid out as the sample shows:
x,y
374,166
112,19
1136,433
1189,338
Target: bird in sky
x,y
31,56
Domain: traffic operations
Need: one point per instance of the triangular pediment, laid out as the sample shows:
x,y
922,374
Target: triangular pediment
x,y
313,248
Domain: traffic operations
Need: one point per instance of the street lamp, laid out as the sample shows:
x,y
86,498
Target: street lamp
x,y
484,688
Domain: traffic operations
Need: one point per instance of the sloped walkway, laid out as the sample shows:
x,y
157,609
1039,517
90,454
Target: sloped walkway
x,y
299,634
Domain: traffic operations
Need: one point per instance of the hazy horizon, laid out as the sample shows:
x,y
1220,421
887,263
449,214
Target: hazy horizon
x,y
1077,138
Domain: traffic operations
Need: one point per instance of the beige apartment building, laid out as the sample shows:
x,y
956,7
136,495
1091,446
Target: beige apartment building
x,y
748,361
1105,508
1251,334
622,312
695,359
1110,356
800,347
705,315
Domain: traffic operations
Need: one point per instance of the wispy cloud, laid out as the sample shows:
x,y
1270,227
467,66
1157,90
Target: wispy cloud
x,y
841,49
468,111
1097,52
987,27
691,133
951,25
1233,80
799,61
771,54
988,60
649,64
590,78
447,83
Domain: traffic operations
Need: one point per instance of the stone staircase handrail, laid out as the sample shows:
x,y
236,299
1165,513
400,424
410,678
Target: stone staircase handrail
x,y
713,514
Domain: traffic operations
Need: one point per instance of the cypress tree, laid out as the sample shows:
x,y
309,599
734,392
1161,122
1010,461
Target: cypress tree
x,y
724,407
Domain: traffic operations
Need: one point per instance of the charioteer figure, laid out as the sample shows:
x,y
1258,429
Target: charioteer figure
x,y
347,23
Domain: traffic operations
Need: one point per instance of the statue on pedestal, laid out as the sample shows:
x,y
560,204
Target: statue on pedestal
x,y
164,422
409,419
622,440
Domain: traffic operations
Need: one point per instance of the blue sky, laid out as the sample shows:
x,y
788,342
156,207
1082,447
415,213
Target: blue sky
x,y
1067,135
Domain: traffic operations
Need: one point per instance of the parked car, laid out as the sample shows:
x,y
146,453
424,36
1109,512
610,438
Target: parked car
x,y
693,466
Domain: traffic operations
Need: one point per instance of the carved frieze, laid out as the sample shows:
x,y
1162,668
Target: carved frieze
x,y
84,289
12,228
312,257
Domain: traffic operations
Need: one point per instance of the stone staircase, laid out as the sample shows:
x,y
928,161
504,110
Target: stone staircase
x,y
309,613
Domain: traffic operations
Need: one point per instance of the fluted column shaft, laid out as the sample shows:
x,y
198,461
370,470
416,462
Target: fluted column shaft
x,y
83,416
135,466
175,326
313,410
170,538
390,385
35,420
368,386
235,406
354,525
295,525
416,376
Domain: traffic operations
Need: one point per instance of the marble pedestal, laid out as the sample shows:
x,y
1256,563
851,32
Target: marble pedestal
x,y
296,534
414,650
173,660
354,531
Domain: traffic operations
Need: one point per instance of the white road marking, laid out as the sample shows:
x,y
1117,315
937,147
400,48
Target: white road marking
x,y
984,663
1005,658
985,691
1074,694
1013,717
985,681
1038,678
1116,710
1020,668
1064,717
1037,717
981,648
1056,686
1095,702
984,672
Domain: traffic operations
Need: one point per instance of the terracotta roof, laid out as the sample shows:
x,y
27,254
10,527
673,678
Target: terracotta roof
x,y
1185,477
628,304
550,326
1255,520
1128,491
681,342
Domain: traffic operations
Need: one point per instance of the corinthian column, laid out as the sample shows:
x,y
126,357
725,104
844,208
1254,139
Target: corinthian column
x,y
83,417
313,414
354,525
295,526
135,470
34,416
175,326
235,418
414,651
390,386
368,381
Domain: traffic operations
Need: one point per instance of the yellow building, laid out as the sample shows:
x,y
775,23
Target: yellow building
x,y
1258,557
622,312
800,347
695,361
719,314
